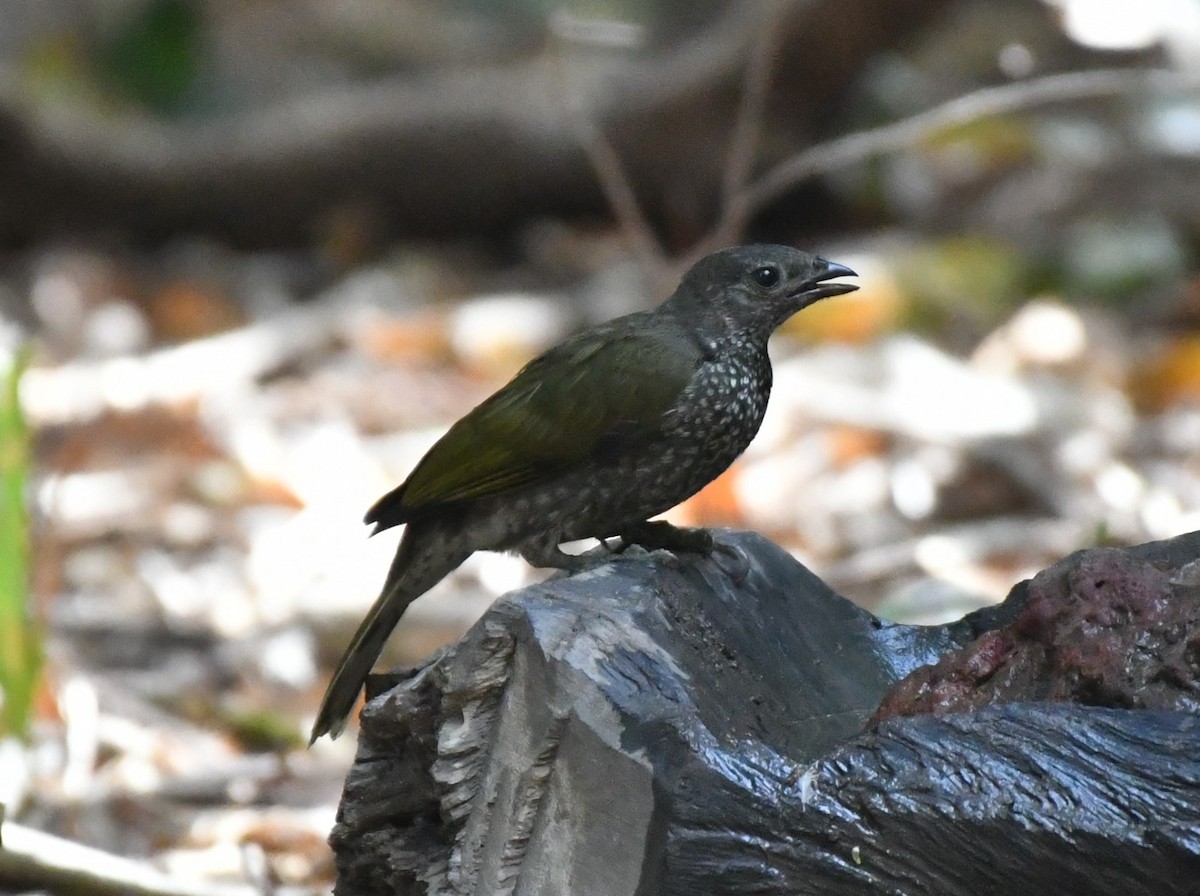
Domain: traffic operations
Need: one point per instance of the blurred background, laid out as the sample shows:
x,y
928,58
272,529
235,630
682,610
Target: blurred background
x,y
255,257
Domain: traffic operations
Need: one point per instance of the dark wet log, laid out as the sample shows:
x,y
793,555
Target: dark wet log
x,y
689,726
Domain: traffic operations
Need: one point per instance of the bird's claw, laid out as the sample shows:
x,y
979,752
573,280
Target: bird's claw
x,y
736,564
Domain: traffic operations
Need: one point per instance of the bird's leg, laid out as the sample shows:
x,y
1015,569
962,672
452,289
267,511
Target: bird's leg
x,y
547,554
661,535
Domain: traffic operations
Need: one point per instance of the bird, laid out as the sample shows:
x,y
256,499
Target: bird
x,y
591,439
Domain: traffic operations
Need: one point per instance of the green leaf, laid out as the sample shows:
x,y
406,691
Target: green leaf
x,y
20,638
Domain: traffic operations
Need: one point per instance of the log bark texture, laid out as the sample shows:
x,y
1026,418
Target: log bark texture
x,y
665,725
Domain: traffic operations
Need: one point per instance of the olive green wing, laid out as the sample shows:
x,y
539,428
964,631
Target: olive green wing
x,y
589,396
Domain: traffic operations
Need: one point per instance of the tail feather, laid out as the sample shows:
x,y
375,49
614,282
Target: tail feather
x,y
420,563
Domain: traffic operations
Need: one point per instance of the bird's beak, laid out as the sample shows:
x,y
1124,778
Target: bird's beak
x,y
814,288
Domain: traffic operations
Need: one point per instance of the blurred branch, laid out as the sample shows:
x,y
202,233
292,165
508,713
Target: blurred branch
x,y
35,859
611,175
458,150
859,147
80,390
441,152
739,160
748,125
621,197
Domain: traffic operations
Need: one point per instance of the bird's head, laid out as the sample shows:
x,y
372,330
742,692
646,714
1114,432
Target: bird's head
x,y
754,289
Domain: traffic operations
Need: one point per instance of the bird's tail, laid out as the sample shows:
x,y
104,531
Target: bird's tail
x,y
420,563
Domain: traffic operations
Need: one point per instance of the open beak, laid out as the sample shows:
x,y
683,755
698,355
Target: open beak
x,y
814,288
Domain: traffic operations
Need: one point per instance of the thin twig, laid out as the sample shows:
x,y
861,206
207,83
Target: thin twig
x,y
858,147
610,173
748,123
619,193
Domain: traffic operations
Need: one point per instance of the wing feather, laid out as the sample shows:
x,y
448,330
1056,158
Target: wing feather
x,y
591,396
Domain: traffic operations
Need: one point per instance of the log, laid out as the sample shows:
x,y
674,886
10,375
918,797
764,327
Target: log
x,y
683,725
466,150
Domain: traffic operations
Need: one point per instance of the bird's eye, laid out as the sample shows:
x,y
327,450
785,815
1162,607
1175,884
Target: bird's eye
x,y
766,276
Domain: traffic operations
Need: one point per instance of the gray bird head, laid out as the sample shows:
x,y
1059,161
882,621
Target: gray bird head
x,y
751,290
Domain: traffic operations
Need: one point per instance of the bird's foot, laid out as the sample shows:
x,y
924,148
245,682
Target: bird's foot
x,y
653,535
661,535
